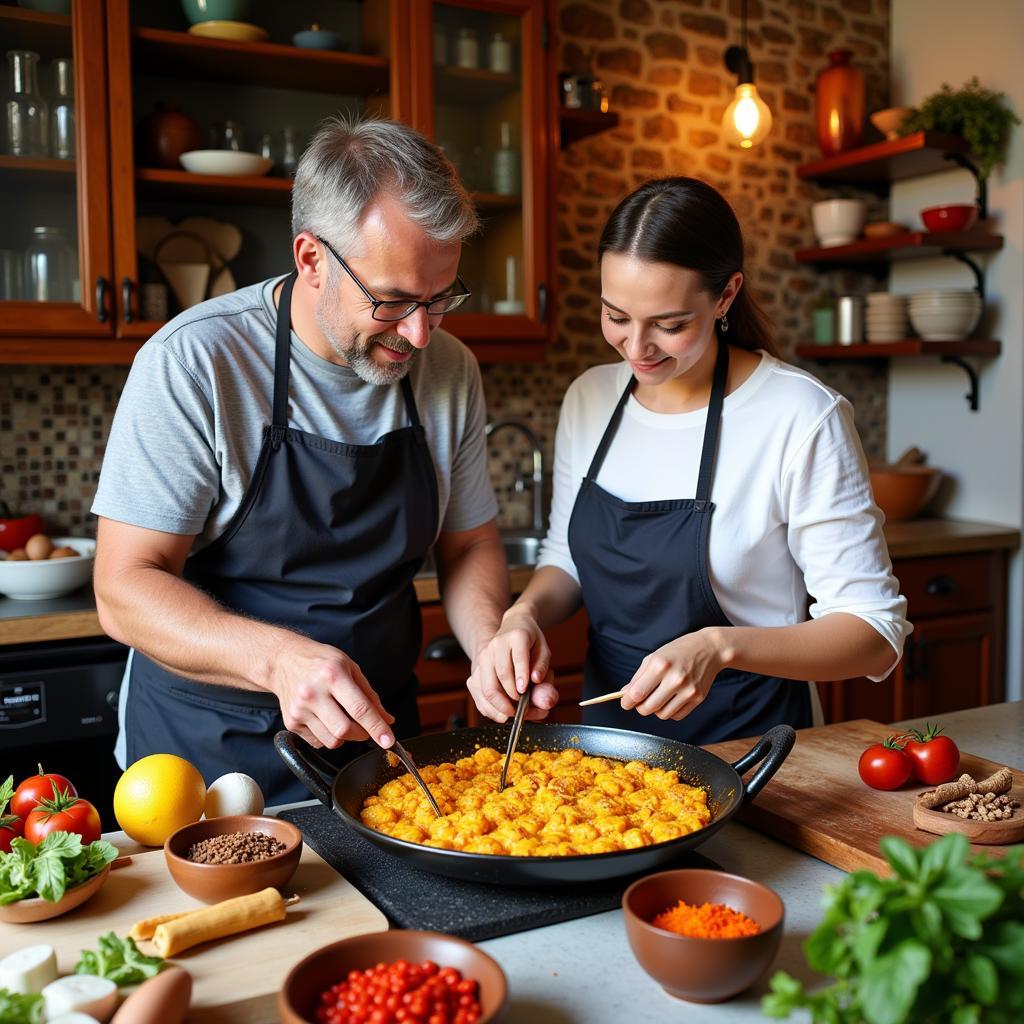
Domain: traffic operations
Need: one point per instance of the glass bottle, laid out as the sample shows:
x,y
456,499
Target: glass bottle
x,y
289,152
26,111
506,176
467,49
62,116
499,54
49,267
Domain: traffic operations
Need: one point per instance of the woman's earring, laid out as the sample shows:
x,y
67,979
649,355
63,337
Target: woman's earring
x,y
723,322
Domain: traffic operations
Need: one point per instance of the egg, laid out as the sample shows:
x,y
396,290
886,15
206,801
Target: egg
x,y
17,555
64,552
233,793
159,1000
38,547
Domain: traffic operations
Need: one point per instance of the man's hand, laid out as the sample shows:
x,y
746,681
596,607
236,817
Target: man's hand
x,y
325,697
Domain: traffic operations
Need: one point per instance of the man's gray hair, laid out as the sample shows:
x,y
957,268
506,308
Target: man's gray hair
x,y
350,161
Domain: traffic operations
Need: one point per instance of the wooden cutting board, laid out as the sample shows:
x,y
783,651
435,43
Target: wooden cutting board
x,y
235,979
817,802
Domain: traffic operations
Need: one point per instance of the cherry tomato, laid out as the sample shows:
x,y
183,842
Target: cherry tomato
x,y
64,813
885,765
11,826
934,758
37,788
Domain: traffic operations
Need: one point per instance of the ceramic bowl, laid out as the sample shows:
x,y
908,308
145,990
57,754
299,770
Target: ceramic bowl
x,y
951,217
212,883
226,162
49,577
838,221
216,10
889,119
902,492
944,325
702,970
30,911
325,967
319,39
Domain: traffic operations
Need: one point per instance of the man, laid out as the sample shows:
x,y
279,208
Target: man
x,y
281,460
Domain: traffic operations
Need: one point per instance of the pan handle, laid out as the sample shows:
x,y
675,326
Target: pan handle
x,y
772,748
306,764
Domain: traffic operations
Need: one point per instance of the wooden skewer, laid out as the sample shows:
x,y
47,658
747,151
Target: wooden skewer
x,y
603,699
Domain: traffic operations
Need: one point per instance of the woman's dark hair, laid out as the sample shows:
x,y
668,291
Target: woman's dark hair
x,y
688,223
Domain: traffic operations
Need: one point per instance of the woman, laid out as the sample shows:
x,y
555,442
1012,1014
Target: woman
x,y
702,489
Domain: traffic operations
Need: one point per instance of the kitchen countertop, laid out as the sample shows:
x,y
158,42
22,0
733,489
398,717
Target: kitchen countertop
x,y
74,616
583,971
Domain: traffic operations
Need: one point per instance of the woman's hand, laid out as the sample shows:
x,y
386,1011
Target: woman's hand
x,y
674,680
516,653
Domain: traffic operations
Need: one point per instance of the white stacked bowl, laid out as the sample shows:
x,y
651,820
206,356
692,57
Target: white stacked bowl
x,y
945,314
838,221
886,317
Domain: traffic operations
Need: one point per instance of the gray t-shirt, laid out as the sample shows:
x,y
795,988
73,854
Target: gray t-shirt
x,y
188,426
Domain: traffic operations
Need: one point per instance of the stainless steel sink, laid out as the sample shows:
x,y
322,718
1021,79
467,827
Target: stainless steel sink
x,y
521,550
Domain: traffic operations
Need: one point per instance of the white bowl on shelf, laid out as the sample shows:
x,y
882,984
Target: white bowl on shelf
x,y
228,163
45,578
838,221
950,325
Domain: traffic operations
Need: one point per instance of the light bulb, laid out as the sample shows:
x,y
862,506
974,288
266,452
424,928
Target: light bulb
x,y
747,119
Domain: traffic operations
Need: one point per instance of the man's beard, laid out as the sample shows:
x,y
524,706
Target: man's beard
x,y
359,354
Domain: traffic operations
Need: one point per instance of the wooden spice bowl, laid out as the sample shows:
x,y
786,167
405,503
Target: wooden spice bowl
x,y
212,883
696,969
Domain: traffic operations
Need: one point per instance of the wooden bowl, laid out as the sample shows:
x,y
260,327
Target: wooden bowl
x,y
38,909
902,492
212,883
702,970
982,833
324,967
883,229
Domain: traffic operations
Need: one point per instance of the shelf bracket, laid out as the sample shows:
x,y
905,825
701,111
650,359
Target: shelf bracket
x,y
972,373
968,165
962,257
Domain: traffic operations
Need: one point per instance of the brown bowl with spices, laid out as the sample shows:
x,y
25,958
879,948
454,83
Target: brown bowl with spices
x,y
696,967
218,858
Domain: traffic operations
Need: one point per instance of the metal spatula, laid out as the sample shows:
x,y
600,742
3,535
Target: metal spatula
x,y
513,739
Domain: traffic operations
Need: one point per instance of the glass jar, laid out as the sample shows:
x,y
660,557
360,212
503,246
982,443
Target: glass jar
x,y
499,53
467,49
62,115
49,267
26,111
289,151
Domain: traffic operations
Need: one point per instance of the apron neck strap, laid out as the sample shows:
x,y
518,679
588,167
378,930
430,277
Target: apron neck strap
x,y
283,351
410,402
609,431
712,424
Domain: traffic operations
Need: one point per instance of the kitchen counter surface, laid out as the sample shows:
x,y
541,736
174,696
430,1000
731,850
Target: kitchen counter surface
x,y
74,616
583,972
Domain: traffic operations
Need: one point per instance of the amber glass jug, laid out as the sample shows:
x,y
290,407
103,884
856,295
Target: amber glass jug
x,y
839,104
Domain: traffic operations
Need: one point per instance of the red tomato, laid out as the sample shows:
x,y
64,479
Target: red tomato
x,y
15,531
11,826
934,758
885,765
65,813
37,788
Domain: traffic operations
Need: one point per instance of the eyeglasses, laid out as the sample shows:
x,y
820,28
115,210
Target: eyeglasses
x,y
390,310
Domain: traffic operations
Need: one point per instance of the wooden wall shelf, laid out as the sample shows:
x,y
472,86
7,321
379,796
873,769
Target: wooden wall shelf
x,y
157,183
181,55
891,349
580,124
904,246
40,172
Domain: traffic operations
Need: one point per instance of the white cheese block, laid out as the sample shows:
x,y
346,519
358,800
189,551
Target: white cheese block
x,y
80,993
29,970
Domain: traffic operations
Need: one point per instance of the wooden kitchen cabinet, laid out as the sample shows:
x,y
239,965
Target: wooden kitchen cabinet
x,y
442,671
955,657
133,54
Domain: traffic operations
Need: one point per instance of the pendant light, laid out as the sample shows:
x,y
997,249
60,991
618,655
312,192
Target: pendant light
x,y
747,120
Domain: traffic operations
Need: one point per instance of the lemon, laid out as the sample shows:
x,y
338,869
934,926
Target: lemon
x,y
156,796
234,793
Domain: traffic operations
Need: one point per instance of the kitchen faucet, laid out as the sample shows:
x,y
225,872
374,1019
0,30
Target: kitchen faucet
x,y
537,479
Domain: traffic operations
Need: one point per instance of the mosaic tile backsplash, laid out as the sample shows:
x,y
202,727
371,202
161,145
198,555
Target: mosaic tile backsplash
x,y
662,63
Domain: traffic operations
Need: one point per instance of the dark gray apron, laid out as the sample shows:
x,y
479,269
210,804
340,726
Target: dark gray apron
x,y
326,542
643,568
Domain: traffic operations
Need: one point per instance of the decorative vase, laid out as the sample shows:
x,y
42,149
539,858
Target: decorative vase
x,y
167,133
839,104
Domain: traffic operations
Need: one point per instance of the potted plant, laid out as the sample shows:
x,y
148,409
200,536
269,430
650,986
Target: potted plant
x,y
976,114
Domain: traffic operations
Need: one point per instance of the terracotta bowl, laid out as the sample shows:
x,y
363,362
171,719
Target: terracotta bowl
x,y
324,967
212,883
702,970
30,911
902,492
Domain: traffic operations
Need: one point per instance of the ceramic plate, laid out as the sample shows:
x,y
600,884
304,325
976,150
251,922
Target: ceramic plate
x,y
237,31
226,162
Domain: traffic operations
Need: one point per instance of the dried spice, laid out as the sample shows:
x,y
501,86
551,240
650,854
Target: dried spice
x,y
235,848
707,921
987,800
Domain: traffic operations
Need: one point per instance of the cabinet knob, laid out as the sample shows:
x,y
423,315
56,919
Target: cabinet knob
x,y
443,648
940,586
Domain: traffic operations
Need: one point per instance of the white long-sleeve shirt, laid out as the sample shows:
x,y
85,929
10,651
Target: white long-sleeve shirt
x,y
794,514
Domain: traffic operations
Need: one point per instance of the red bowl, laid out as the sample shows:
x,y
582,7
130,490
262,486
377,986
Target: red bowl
x,y
953,217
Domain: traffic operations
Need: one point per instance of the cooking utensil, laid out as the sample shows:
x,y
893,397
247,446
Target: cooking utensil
x,y
513,738
603,699
405,757
344,792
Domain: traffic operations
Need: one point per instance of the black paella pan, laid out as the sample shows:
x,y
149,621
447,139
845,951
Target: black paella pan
x,y
344,791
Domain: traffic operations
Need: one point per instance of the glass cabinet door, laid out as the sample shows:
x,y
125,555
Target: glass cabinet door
x,y
482,98
54,204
